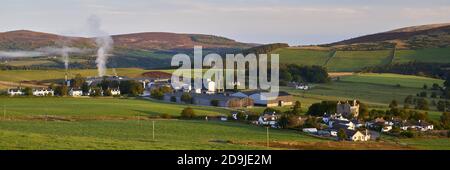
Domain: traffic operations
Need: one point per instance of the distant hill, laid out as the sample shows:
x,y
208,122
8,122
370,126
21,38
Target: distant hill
x,y
28,40
144,50
415,37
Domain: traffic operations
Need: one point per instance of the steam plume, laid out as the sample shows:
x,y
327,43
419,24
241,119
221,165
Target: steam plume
x,y
104,43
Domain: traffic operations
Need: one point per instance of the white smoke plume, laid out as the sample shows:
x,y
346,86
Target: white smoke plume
x,y
104,43
63,52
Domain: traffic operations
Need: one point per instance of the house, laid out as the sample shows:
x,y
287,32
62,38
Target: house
x,y
268,119
344,124
43,92
75,92
302,87
348,109
416,125
354,135
115,92
327,117
15,92
283,98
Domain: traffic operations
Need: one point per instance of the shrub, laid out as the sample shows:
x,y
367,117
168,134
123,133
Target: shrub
x,y
214,102
186,97
166,116
188,113
408,134
173,99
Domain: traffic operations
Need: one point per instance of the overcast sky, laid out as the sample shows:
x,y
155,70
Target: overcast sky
x,y
258,21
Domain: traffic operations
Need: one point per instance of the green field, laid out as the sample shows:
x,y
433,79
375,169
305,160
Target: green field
x,y
95,108
356,60
169,134
435,55
377,90
104,123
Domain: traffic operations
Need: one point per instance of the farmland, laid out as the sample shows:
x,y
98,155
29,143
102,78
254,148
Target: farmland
x,y
377,90
356,60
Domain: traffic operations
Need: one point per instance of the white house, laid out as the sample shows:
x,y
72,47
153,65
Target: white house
x,y
43,92
15,92
115,92
75,92
302,87
269,119
357,135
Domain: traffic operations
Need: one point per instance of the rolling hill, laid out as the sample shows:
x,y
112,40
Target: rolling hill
x,y
424,43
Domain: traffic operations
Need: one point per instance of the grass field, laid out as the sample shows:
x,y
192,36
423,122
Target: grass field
x,y
356,60
435,55
169,134
377,90
95,108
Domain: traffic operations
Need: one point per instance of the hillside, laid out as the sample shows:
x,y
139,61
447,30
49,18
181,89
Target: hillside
x,y
415,37
29,40
144,50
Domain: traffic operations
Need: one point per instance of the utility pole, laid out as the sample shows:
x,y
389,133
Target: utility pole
x,y
153,130
267,132
4,111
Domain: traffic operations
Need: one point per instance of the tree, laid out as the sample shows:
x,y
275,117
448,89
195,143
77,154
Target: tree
x,y
445,120
78,81
297,109
62,90
131,88
409,99
186,98
108,92
173,99
393,104
425,86
341,134
157,93
422,94
441,105
27,91
214,102
96,91
188,113
433,95
318,109
422,104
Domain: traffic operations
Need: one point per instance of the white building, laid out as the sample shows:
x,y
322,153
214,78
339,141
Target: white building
x,y
115,92
75,92
43,92
15,92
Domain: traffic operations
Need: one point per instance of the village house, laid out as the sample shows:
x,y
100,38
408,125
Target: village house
x,y
416,125
15,92
268,119
283,99
75,92
115,92
43,92
354,135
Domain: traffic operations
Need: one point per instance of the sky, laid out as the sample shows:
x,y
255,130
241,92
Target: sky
x,y
295,22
